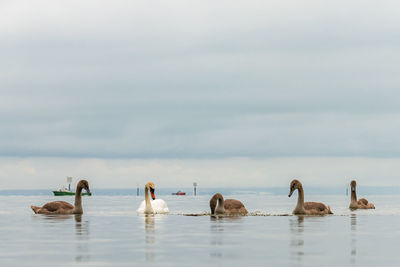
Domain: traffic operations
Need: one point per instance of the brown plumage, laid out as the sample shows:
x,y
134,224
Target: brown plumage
x,y
315,205
62,207
307,208
228,206
362,203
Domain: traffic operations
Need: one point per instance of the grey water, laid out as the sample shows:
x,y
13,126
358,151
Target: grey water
x,y
111,233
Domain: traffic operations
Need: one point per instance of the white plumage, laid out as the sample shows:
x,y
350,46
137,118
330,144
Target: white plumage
x,y
158,206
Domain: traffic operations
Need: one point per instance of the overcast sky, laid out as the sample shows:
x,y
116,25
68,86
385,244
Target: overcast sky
x,y
238,85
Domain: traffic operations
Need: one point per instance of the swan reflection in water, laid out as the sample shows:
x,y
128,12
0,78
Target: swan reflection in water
x,y
82,236
150,233
150,237
297,238
353,243
218,226
55,222
52,219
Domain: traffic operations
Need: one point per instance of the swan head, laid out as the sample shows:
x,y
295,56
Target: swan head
x,y
295,184
353,185
214,201
150,186
85,185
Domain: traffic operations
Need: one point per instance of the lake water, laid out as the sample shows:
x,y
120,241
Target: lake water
x,y
110,233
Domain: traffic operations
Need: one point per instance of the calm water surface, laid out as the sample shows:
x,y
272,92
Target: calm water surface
x,y
111,233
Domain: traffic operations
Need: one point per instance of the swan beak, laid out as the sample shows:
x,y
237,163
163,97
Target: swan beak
x,y
152,194
290,194
353,189
88,191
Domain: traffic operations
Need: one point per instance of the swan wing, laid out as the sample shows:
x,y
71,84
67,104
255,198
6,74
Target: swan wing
x,y
315,206
57,205
141,207
234,206
159,206
362,201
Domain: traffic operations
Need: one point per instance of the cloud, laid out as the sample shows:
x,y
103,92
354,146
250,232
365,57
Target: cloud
x,y
190,80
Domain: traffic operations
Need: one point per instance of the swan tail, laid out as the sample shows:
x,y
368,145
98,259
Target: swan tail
x,y
35,209
329,210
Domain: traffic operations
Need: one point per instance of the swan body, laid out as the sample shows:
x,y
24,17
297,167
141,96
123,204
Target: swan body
x,y
158,206
62,207
362,203
228,206
307,208
152,206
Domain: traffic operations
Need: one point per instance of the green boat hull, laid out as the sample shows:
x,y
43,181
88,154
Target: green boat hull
x,y
58,193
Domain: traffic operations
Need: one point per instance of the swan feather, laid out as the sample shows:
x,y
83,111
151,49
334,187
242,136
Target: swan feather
x,y
158,205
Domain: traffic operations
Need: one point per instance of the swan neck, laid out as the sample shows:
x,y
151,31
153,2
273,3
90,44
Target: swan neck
x,y
353,195
78,201
220,206
148,208
300,199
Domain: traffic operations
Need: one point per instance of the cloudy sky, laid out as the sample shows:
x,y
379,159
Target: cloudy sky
x,y
226,93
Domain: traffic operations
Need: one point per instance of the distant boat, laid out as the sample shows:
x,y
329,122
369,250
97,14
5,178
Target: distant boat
x,y
179,193
67,191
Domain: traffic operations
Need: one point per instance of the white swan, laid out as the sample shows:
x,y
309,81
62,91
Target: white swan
x,y
152,206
